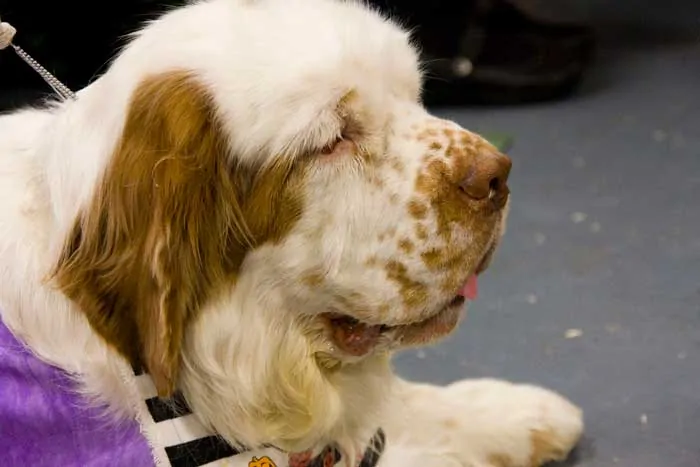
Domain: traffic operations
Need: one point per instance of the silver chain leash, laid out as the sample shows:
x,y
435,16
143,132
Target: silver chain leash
x,y
58,87
7,33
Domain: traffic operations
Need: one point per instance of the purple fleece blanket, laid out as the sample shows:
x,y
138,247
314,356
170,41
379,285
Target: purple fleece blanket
x,y
44,423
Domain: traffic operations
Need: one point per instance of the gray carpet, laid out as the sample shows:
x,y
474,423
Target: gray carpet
x,y
596,290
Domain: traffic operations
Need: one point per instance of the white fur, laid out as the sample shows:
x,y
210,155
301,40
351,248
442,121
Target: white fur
x,y
276,70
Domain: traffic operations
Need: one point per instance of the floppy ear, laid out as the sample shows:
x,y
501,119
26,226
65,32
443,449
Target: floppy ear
x,y
164,229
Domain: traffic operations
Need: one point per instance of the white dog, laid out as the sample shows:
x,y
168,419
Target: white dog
x,y
253,204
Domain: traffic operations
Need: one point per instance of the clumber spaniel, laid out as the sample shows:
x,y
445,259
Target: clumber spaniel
x,y
253,205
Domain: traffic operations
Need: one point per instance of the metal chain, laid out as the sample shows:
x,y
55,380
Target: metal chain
x,y
7,33
60,88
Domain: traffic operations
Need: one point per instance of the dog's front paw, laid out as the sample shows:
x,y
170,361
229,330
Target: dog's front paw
x,y
508,425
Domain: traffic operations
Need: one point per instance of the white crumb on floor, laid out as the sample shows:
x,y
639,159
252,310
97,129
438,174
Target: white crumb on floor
x,y
595,227
532,299
643,419
540,238
573,333
578,217
421,354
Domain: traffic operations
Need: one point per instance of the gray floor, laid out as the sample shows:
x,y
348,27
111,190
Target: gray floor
x,y
604,241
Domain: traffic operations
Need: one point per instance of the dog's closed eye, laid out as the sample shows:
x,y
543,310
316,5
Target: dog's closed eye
x,y
339,147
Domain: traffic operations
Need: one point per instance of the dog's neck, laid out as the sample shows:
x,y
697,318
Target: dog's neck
x,y
166,430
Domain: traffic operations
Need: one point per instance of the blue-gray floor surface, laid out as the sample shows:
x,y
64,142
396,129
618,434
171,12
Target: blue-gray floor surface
x,y
596,289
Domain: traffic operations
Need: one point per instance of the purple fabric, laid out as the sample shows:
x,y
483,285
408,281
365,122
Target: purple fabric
x,y
44,423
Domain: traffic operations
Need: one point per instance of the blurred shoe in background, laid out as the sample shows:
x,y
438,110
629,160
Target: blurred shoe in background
x,y
490,52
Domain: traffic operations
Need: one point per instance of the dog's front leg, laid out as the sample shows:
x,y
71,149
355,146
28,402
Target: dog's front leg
x,y
478,423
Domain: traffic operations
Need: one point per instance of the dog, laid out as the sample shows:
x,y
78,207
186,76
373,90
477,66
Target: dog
x,y
253,206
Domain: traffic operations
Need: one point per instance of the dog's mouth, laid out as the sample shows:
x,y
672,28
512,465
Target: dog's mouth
x,y
356,338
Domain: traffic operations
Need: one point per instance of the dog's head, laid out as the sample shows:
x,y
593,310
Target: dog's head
x,y
278,213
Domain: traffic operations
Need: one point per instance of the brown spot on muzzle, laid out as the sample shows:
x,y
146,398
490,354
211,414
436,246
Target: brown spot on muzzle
x,y
406,245
417,209
169,223
421,232
412,292
448,259
438,183
463,226
433,184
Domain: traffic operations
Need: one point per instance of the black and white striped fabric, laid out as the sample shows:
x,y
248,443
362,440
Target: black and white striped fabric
x,y
179,440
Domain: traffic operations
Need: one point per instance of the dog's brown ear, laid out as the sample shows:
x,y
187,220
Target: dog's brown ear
x,y
165,227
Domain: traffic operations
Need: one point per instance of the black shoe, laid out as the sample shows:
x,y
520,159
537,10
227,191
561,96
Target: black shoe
x,y
504,56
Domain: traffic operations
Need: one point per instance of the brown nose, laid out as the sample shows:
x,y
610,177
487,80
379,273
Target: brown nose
x,y
487,178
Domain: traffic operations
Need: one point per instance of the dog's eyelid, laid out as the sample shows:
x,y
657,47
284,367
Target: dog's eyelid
x,y
329,148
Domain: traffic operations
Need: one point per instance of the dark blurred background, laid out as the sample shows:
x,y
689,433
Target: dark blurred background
x,y
596,290
72,39
478,51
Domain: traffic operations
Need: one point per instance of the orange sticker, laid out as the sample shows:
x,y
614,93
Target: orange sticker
x,y
262,462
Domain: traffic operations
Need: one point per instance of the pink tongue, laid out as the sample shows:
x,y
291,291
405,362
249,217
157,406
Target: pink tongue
x,y
470,289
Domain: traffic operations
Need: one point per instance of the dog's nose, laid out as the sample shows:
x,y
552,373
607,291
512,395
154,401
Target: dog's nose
x,y
487,178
